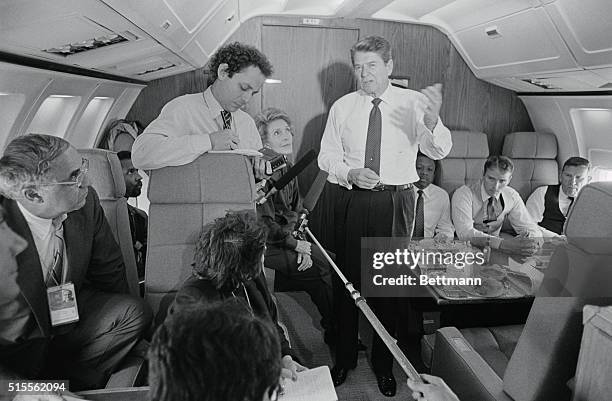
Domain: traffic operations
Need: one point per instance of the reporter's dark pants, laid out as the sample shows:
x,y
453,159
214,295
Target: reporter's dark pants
x,y
315,281
109,326
363,213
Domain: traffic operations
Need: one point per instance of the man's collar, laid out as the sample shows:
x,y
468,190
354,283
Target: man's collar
x,y
385,96
426,190
213,105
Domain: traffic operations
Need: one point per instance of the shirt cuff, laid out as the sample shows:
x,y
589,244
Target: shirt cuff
x,y
342,176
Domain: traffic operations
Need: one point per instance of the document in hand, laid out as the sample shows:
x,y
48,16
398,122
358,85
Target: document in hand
x,y
312,385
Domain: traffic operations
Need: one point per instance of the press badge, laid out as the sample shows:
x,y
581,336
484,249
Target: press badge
x,y
62,304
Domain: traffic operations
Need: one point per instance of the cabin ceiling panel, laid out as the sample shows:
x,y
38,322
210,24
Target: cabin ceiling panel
x,y
516,44
222,23
587,28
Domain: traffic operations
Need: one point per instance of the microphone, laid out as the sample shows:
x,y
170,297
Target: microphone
x,y
288,176
310,201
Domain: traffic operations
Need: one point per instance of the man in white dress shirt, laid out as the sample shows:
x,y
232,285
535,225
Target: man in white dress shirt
x,y
193,124
369,149
479,211
434,209
548,205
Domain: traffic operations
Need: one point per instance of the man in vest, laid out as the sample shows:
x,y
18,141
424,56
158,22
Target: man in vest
x,y
549,205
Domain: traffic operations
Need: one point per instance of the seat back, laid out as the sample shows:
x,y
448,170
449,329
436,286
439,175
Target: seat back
x,y
535,160
183,200
106,176
578,274
465,161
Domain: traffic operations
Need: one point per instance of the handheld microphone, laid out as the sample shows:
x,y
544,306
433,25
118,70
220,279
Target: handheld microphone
x,y
310,201
289,176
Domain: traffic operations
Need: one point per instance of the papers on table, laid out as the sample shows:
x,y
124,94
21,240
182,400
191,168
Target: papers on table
x,y
312,385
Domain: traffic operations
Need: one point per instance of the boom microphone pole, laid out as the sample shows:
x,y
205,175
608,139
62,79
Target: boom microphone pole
x,y
361,303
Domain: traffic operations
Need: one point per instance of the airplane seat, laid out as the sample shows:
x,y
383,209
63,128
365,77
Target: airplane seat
x,y
542,359
463,164
183,200
535,160
106,176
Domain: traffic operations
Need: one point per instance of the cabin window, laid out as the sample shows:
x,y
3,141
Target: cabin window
x,y
88,126
601,174
54,115
10,104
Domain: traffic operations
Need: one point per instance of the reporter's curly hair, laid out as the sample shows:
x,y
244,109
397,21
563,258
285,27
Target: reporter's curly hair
x,y
229,250
238,56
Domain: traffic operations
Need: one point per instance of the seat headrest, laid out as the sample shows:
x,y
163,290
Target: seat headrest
x,y
200,181
530,145
589,224
469,145
105,173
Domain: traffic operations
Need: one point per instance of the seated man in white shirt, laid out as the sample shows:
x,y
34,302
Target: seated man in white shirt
x,y
193,124
432,208
548,205
479,211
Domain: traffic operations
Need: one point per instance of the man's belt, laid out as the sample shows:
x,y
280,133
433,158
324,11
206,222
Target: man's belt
x,y
385,187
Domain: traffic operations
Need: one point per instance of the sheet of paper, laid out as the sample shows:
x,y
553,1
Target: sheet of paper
x,y
312,385
245,152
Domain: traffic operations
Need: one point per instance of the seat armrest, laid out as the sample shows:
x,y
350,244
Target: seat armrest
x,y
463,369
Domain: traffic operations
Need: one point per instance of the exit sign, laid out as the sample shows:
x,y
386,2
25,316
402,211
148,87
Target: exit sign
x,y
311,21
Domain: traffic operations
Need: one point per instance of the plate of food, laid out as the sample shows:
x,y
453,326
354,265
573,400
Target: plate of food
x,y
488,288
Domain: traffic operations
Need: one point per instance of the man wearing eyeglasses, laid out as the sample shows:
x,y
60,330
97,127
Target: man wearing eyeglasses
x,y
479,211
45,193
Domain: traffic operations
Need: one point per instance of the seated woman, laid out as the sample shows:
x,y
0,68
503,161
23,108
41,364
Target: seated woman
x,y
298,266
228,263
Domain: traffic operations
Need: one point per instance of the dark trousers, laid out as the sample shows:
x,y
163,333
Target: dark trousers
x,y
367,214
109,326
315,281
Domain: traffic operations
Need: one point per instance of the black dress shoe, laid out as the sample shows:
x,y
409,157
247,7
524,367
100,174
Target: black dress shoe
x,y
338,374
386,385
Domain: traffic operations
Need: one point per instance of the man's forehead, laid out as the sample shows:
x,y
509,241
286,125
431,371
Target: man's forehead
x,y
576,170
494,172
62,166
366,57
250,75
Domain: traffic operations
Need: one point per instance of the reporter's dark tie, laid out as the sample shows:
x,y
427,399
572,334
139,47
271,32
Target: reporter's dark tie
x,y
372,149
491,215
54,276
419,218
226,116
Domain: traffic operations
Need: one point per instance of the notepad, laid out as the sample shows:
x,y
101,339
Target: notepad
x,y
244,152
312,385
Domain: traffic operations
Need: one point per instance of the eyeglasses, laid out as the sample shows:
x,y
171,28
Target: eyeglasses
x,y
78,179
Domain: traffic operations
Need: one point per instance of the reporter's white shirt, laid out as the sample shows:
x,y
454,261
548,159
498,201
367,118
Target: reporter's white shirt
x,y
181,132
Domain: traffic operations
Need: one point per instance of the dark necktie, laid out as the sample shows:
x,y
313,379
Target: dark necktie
x,y
571,198
372,150
419,218
491,215
54,276
226,116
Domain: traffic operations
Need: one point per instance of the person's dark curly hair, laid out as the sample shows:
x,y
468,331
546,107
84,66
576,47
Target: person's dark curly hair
x,y
238,56
229,250
214,352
